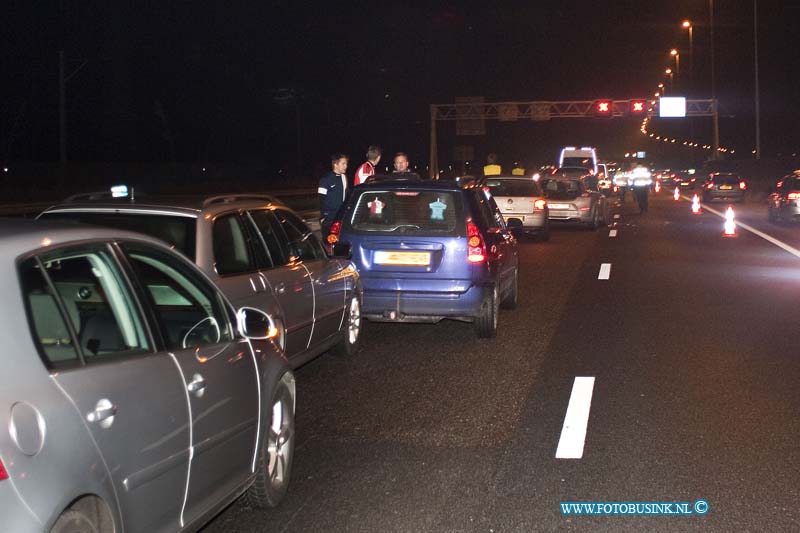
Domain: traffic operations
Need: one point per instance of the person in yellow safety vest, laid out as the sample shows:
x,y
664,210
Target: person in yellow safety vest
x,y
492,168
517,170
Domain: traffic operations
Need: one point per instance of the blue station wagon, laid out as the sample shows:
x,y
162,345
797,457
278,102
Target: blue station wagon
x,y
429,250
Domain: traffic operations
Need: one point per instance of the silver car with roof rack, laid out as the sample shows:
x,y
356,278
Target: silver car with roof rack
x,y
259,252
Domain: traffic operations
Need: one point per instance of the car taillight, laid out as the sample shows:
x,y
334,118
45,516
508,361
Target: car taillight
x,y
3,473
793,196
476,249
709,185
540,204
333,235
742,185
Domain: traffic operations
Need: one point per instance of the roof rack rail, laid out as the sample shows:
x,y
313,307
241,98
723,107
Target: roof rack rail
x,y
226,198
97,195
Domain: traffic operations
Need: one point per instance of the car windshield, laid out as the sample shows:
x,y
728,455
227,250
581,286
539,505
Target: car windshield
x,y
513,187
562,189
178,232
406,212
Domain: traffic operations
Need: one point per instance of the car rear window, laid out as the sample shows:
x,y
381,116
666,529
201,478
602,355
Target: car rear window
x,y
178,232
514,187
561,189
727,180
417,212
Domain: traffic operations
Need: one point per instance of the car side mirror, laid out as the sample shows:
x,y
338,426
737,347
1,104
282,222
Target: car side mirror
x,y
255,324
513,223
342,250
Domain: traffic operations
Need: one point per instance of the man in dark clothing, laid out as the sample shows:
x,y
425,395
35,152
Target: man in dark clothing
x,y
332,192
401,167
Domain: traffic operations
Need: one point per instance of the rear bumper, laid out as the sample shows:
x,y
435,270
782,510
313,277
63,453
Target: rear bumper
x,y
788,212
530,221
724,195
571,215
420,306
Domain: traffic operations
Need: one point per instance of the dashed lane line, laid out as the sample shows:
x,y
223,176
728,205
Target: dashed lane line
x,y
769,238
612,233
605,271
573,432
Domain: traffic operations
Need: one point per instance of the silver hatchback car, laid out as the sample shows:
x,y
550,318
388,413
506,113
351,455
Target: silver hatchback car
x,y
132,396
521,198
257,250
570,201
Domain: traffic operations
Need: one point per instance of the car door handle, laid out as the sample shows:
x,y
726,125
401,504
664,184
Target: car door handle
x,y
197,386
103,414
280,288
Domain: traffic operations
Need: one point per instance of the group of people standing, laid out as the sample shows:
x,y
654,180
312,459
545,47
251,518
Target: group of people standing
x,y
334,186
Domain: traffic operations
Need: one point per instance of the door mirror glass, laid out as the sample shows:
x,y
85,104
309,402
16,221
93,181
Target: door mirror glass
x,y
342,250
255,324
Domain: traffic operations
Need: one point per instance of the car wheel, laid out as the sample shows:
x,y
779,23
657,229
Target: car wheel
x,y
486,323
510,301
87,515
545,234
351,329
274,465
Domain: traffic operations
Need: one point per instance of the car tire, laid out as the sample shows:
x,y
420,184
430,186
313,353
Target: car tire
x,y
510,301
274,465
485,324
88,514
352,327
544,236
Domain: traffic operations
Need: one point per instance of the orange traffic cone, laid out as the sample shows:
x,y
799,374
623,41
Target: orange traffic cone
x,y
677,195
730,223
695,205
658,186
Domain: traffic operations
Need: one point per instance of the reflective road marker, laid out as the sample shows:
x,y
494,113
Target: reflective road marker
x,y
612,233
573,432
605,271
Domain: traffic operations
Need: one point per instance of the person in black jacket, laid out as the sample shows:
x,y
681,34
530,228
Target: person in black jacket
x,y
332,192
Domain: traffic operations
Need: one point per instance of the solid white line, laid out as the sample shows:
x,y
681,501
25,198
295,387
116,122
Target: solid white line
x,y
769,238
612,233
573,432
605,271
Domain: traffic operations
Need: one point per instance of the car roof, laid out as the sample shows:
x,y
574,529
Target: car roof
x,y
414,184
187,206
20,236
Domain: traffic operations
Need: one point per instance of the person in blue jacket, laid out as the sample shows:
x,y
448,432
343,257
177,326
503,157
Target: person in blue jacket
x,y
332,192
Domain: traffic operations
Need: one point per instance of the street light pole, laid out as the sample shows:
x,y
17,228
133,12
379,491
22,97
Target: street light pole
x,y
714,103
758,106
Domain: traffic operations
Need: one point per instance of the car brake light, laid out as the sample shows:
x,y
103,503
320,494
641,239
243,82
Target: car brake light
x,y
3,472
476,249
333,234
709,185
540,204
742,185
793,196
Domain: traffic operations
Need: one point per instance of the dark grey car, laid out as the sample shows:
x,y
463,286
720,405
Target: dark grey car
x,y
724,186
258,251
133,396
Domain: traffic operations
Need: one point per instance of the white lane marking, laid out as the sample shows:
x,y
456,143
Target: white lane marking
x,y
616,215
612,233
573,432
605,271
769,238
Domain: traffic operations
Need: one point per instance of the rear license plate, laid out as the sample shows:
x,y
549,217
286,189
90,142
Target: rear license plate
x,y
388,257
559,206
725,187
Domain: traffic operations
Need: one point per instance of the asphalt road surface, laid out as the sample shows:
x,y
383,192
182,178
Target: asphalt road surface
x,y
693,345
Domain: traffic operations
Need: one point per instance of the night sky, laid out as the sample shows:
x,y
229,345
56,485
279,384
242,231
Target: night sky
x,y
231,82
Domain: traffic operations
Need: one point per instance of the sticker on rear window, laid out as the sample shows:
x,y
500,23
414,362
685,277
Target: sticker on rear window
x,y
437,209
376,207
